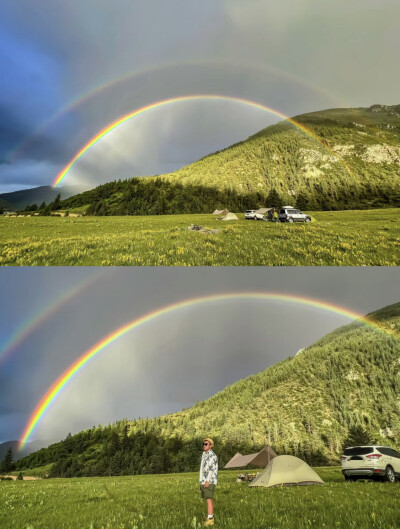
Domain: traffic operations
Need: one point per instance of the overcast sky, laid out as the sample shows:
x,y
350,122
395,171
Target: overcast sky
x,y
294,56
170,362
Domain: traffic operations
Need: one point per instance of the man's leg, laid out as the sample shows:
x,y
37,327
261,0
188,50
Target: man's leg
x,y
210,507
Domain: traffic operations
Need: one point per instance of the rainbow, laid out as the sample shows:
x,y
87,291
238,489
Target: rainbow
x,y
112,83
28,326
111,126
55,389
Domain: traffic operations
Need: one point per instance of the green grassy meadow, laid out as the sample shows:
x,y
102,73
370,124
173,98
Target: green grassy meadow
x,y
173,501
334,238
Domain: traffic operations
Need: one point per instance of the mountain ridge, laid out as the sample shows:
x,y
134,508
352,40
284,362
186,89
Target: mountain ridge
x,y
306,406
25,197
362,126
353,164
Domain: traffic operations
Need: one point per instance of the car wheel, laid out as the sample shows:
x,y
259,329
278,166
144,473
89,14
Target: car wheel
x,y
308,220
390,475
290,219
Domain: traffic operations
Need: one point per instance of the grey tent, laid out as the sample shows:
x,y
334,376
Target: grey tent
x,y
260,459
286,471
230,216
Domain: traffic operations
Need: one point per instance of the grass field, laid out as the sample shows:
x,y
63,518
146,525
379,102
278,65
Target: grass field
x,y
369,237
173,502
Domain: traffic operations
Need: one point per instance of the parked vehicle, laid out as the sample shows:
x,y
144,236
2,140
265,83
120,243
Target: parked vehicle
x,y
371,462
290,214
251,214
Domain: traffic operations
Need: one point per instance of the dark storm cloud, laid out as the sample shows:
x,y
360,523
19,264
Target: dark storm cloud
x,y
171,362
11,131
308,55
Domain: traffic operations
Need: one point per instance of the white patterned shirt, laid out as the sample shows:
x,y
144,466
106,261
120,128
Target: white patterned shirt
x,y
209,468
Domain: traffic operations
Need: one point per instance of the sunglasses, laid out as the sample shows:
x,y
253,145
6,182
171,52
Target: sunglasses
x,y
206,444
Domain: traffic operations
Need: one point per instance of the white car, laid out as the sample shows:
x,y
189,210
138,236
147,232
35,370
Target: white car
x,y
290,214
376,462
251,214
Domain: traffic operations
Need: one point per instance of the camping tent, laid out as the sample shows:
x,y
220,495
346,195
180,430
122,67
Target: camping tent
x,y
260,459
286,471
263,211
230,216
220,212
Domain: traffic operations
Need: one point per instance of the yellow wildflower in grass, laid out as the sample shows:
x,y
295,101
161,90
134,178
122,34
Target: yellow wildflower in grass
x,y
338,238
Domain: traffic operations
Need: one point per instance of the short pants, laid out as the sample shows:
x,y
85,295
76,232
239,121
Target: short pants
x,y
207,493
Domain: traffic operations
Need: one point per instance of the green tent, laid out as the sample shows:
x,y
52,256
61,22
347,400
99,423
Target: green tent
x,y
286,471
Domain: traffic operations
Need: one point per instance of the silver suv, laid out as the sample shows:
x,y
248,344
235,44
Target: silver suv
x,y
290,214
376,462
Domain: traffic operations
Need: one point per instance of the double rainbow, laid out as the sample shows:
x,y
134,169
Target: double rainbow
x,y
111,126
55,389
128,76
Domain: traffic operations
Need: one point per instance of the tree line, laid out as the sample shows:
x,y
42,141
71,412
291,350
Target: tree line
x,y
113,451
156,196
342,390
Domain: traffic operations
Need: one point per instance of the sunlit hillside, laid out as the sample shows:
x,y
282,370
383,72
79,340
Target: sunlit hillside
x,y
307,406
357,158
346,159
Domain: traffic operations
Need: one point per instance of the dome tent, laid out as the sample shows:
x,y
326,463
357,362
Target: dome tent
x,y
286,471
230,216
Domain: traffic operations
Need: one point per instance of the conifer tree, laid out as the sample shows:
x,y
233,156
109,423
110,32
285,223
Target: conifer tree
x,y
302,201
56,205
273,200
8,464
357,436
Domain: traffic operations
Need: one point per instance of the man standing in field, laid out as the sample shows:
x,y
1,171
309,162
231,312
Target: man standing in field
x,y
208,477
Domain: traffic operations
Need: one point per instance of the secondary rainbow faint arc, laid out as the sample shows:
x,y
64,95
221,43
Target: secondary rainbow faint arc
x,y
110,83
31,324
111,126
64,378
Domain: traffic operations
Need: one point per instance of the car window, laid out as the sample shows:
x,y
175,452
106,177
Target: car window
x,y
358,451
282,211
385,451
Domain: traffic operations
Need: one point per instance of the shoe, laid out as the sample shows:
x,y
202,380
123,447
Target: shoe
x,y
209,521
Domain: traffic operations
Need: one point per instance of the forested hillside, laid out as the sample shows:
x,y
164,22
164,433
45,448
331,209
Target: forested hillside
x,y
354,164
347,384
155,196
